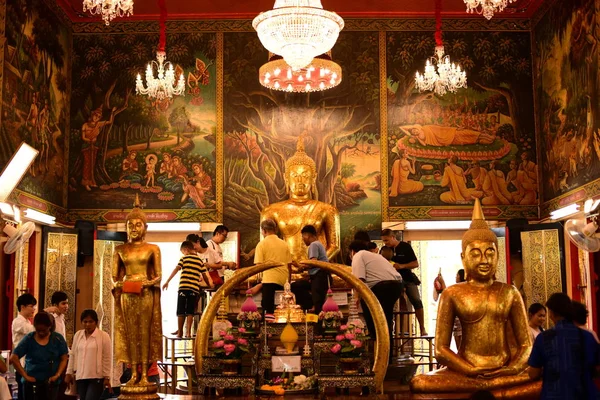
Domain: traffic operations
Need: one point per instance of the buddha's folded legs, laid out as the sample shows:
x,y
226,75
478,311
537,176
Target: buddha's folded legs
x,y
506,387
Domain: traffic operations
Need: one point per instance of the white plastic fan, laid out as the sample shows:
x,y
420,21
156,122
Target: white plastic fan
x,y
583,234
17,237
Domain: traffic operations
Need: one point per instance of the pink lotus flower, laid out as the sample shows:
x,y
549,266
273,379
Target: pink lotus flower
x,y
343,327
229,348
350,336
242,330
228,337
242,341
222,333
339,338
336,348
356,343
218,344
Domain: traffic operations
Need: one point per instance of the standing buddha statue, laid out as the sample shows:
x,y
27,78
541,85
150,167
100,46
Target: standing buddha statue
x,y
138,323
302,209
495,342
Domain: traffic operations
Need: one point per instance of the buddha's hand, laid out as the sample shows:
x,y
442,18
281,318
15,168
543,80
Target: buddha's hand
x,y
504,371
478,372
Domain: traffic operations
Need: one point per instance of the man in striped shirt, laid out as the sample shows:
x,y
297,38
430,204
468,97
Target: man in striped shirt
x,y
193,272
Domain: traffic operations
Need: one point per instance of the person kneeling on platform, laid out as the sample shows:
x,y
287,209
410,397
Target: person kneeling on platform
x,y
193,273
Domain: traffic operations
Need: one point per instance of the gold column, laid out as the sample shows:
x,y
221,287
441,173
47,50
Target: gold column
x,y
541,265
103,300
61,273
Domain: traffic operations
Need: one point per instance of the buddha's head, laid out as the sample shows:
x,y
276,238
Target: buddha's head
x,y
479,249
301,174
136,223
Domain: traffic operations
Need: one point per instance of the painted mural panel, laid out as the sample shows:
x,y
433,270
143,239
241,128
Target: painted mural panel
x,y
123,144
35,97
445,151
567,86
340,129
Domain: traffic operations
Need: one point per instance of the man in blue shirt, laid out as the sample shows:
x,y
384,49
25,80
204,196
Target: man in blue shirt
x,y
319,279
564,356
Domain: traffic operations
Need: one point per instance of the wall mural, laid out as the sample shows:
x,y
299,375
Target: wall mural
x,y
478,142
340,128
567,88
35,98
123,144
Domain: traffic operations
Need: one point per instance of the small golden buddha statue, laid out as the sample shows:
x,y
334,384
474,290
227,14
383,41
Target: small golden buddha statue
x,y
495,344
288,310
302,209
138,322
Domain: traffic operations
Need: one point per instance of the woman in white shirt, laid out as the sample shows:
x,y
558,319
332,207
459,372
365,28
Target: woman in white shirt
x,y
90,361
537,319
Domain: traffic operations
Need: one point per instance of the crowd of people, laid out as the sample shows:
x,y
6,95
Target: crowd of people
x,y
566,357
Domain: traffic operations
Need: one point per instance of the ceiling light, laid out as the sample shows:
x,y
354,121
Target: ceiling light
x,y
321,74
436,225
487,7
440,75
39,217
564,212
174,227
109,9
590,205
15,169
298,30
163,86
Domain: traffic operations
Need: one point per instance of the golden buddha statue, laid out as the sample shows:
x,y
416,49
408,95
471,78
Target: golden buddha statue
x,y
288,310
495,342
302,209
138,322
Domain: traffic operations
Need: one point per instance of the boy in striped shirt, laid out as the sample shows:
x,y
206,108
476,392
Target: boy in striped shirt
x,y
193,272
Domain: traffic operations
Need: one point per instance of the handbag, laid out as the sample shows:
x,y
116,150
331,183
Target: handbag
x,y
214,276
71,389
132,287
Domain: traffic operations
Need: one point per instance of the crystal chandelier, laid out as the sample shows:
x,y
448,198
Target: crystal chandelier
x,y
298,30
487,7
109,9
321,74
440,75
163,86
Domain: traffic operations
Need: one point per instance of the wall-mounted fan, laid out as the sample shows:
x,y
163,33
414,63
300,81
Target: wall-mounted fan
x,y
18,236
585,235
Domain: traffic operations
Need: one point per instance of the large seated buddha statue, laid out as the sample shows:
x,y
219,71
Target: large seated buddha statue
x,y
301,208
495,342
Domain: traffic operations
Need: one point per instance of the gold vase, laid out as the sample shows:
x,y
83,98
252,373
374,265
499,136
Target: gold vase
x,y
289,337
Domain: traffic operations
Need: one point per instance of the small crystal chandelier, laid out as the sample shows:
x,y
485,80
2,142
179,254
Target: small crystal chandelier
x,y
321,74
163,86
487,7
298,30
109,9
440,75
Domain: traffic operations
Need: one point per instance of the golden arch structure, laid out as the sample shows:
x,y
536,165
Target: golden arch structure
x,y
382,345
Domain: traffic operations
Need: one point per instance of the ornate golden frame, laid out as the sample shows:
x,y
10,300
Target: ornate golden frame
x,y
382,345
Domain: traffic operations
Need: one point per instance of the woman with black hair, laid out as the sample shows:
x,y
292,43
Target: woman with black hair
x,y
46,356
564,356
537,318
90,364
